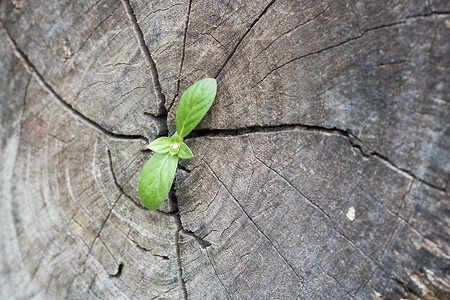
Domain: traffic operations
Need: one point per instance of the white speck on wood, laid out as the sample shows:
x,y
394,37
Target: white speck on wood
x,y
351,214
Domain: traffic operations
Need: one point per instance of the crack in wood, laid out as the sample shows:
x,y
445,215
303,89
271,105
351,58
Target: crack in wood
x,y
97,237
126,94
33,274
433,13
203,243
145,250
160,122
119,187
114,205
103,224
405,172
243,266
119,271
99,232
355,15
142,249
243,37
92,284
338,282
24,102
182,168
179,264
217,276
91,85
47,87
418,232
401,219
405,287
228,228
366,282
147,55
408,190
214,38
354,141
206,132
177,218
161,10
204,210
107,249
186,25
180,230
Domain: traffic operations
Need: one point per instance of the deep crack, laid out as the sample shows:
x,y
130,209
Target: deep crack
x,y
147,55
186,25
160,122
119,271
119,187
179,264
354,141
181,231
176,216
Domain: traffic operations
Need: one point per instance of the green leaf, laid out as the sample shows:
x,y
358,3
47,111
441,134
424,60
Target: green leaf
x,y
175,144
160,145
185,152
175,138
156,179
194,104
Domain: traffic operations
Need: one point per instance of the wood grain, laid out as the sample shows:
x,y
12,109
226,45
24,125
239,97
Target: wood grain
x,y
321,171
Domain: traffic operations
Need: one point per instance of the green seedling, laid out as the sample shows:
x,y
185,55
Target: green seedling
x,y
158,173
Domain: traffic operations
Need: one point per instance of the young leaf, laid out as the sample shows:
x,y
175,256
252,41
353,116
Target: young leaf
x,y
174,149
185,152
194,104
175,144
175,138
156,179
160,145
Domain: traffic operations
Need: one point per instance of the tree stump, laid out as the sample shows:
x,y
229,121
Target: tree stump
x,y
321,171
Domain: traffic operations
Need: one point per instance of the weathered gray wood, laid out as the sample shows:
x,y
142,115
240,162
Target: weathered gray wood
x,y
321,172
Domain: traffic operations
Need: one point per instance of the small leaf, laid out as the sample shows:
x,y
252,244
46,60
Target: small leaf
x,y
175,138
194,104
175,144
185,152
156,179
160,145
174,148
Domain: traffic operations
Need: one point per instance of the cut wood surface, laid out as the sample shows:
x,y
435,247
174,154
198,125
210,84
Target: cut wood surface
x,y
321,172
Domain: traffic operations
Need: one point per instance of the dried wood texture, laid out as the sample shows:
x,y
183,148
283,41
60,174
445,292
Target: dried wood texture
x,y
321,172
